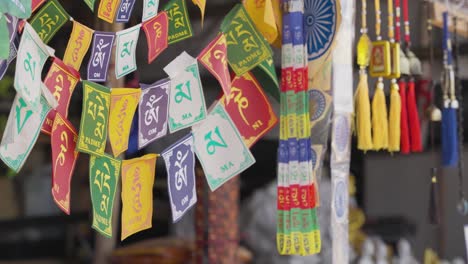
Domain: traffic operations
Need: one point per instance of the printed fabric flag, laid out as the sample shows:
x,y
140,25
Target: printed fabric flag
x,y
246,47
100,56
23,127
137,194
201,4
153,112
186,103
125,11
265,73
125,51
78,45
32,54
64,156
17,8
150,9
93,126
49,20
35,4
180,166
214,58
179,21
262,14
249,109
107,10
124,102
11,25
104,174
156,35
220,148
8,26
61,81
90,4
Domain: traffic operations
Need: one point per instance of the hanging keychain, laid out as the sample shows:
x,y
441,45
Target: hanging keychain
x,y
380,65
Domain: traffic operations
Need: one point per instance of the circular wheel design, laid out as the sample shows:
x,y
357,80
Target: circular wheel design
x,y
318,104
320,25
341,133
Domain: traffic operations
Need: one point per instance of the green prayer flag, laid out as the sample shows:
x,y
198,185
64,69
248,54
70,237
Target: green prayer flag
x,y
90,4
179,21
4,39
49,20
246,46
265,73
17,8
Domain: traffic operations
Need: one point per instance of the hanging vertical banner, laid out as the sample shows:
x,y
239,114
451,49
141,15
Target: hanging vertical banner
x,y
263,16
153,112
180,166
61,81
220,148
124,102
125,51
150,9
23,127
107,10
93,126
100,56
156,35
78,45
64,156
249,109
32,54
104,174
137,194
35,4
90,4
214,58
179,21
201,4
49,20
246,47
125,11
186,103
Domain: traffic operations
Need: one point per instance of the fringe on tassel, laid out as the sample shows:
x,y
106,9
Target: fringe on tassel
x,y
404,131
363,114
379,118
413,119
394,118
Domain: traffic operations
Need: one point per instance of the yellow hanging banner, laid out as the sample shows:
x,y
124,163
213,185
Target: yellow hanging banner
x,y
137,194
78,45
263,16
124,102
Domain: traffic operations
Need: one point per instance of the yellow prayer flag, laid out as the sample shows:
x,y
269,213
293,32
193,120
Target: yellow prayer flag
x,y
107,10
78,45
124,102
263,16
201,4
137,194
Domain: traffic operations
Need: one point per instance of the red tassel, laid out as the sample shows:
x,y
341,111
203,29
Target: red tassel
x,y
404,131
413,119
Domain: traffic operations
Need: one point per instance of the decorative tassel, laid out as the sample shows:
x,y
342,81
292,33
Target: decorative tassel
x,y
413,119
394,118
404,130
363,115
449,136
434,212
379,118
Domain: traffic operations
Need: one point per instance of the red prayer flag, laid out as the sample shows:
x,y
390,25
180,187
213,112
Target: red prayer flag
x,y
156,34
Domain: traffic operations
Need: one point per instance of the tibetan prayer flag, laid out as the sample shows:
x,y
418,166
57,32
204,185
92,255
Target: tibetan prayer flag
x,y
4,40
11,25
153,112
17,8
201,4
180,166
125,10
262,14
5,63
49,20
90,4
23,127
94,117
246,47
100,56
137,194
265,73
186,103
35,4
107,10
78,45
179,21
125,51
61,81
32,54
64,156
220,148
104,174
156,35
124,102
150,9
249,109
214,58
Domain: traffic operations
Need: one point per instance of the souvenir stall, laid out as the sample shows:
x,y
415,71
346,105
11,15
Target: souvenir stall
x,y
272,131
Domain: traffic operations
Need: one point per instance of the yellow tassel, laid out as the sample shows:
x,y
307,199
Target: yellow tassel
x,y
379,118
363,115
394,118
